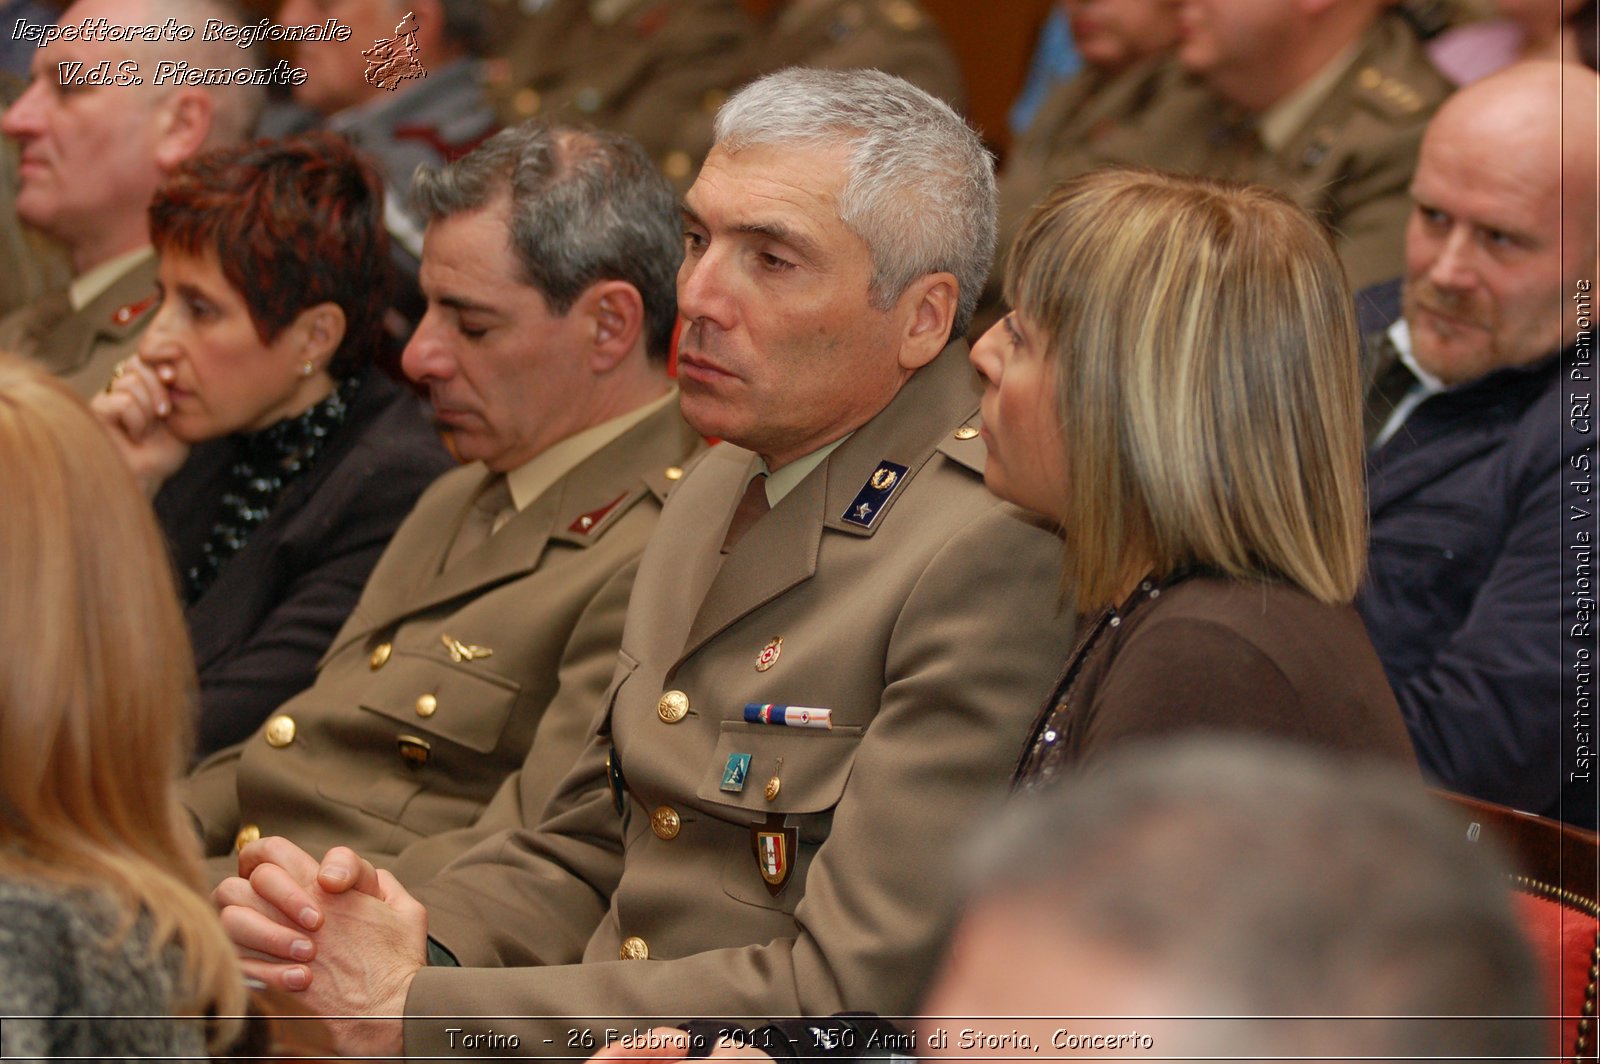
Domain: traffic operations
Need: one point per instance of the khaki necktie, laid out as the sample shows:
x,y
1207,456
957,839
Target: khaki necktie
x,y
751,506
481,521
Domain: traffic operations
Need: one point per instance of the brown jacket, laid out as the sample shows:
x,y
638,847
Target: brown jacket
x,y
929,627
398,740
1212,654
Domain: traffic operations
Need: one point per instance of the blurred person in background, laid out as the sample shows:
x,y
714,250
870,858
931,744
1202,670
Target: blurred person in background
x,y
1563,30
89,158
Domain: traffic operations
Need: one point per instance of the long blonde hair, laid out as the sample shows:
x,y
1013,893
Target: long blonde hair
x,y
97,688
1204,345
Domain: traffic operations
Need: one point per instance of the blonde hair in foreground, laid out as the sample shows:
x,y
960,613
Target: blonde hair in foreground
x,y
1204,344
96,687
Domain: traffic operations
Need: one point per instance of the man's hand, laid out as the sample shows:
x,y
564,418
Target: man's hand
x,y
346,936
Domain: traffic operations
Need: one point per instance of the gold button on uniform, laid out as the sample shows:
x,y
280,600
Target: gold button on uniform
x,y
427,705
774,785
247,834
673,707
665,822
633,949
380,655
673,472
966,432
280,730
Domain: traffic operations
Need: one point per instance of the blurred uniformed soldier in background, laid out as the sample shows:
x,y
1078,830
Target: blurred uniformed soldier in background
x,y
429,119
656,70
895,36
1325,103
90,157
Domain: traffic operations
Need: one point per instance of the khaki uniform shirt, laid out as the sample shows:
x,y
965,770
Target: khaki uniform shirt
x,y
888,586
1349,161
83,346
656,70
436,687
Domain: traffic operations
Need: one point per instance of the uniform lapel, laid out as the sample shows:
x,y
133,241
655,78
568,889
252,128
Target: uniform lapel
x,y
780,551
113,315
510,553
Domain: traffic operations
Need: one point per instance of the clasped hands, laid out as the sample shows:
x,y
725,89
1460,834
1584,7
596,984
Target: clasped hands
x,y
343,935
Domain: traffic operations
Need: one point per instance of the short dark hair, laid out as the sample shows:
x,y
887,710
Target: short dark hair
x,y
586,206
292,223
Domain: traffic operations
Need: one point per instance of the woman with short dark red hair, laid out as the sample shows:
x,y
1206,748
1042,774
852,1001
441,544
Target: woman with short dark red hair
x,y
279,459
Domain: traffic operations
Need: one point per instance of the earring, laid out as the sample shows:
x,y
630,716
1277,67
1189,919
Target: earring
x,y
307,368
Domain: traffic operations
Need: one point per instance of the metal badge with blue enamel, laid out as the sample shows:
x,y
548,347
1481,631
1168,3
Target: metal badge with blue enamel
x,y
874,494
734,775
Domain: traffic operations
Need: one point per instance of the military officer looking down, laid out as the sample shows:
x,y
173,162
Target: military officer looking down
x,y
811,701
1323,100
548,268
90,158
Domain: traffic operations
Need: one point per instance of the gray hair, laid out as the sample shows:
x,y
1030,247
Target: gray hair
x,y
586,206
1269,880
920,185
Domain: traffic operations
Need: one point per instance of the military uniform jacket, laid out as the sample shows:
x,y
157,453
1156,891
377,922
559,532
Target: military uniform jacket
x,y
656,70
82,347
1350,163
436,687
895,36
927,622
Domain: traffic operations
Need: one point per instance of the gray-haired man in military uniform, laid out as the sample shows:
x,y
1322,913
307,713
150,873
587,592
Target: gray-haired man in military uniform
x,y
836,645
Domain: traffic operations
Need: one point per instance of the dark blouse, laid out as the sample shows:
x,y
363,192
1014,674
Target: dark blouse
x,y
1201,652
278,569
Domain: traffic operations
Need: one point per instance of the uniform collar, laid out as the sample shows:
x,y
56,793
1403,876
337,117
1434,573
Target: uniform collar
x,y
93,282
1279,123
533,478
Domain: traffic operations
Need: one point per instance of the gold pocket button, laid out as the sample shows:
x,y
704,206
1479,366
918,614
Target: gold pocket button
x,y
666,823
673,707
